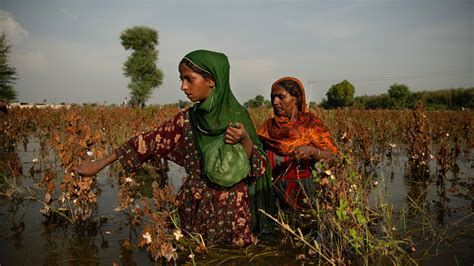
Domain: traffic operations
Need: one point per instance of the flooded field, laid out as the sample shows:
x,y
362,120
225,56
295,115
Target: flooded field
x,y
29,238
435,213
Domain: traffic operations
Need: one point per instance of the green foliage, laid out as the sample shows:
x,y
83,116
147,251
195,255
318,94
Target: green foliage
x,y
267,103
339,224
340,95
400,96
140,66
184,104
139,38
7,73
451,99
341,210
257,102
372,102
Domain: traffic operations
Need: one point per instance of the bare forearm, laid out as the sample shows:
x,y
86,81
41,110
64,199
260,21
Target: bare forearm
x,y
107,160
90,168
318,154
248,146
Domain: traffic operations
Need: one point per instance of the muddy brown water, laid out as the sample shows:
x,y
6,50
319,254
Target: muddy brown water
x,y
25,238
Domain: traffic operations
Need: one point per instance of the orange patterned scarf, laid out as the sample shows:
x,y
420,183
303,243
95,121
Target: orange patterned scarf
x,y
283,136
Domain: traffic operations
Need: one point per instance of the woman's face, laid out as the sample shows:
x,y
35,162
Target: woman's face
x,y
284,104
194,85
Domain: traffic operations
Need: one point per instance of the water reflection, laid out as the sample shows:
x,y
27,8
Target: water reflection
x,y
17,225
417,195
24,236
126,253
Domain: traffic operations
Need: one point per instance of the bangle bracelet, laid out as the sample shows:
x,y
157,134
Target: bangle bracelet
x,y
319,153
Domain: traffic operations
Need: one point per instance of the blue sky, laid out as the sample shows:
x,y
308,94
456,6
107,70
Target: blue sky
x,y
70,51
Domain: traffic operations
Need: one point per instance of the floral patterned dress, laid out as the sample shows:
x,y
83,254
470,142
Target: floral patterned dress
x,y
221,215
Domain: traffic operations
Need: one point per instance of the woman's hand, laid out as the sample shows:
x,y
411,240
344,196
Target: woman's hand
x,y
236,133
90,168
87,168
304,151
307,151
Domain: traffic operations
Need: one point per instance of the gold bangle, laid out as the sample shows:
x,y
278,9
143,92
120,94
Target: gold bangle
x,y
319,153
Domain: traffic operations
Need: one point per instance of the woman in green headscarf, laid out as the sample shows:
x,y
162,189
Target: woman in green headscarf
x,y
216,142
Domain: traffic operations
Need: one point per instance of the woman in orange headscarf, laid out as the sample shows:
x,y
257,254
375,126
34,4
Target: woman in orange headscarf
x,y
294,139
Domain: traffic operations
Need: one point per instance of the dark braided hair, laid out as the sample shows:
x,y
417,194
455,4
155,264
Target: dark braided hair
x,y
293,89
196,69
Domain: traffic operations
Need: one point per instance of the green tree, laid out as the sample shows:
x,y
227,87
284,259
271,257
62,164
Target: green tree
x,y
257,102
400,96
267,103
339,95
260,100
444,99
140,66
250,104
7,73
184,104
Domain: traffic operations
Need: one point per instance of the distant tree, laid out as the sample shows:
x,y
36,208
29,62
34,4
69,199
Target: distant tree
x,y
381,101
7,73
371,102
453,99
400,96
445,99
258,101
339,95
140,66
267,103
184,104
312,105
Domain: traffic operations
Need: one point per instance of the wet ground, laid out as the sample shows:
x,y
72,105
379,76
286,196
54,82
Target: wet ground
x,y
27,239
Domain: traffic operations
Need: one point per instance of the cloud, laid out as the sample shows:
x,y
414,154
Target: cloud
x,y
16,34
30,60
9,26
255,66
68,13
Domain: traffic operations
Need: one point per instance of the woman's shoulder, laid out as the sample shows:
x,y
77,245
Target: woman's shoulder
x,y
264,125
309,116
181,118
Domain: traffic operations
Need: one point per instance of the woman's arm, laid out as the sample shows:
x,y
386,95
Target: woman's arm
x,y
308,151
90,168
236,133
140,148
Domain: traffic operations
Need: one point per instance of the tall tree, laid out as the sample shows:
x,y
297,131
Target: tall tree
x,y
340,95
140,66
399,95
7,73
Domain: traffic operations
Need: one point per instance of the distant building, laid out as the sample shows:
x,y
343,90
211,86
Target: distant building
x,y
38,105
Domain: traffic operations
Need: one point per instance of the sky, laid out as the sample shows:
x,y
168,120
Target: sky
x,y
70,51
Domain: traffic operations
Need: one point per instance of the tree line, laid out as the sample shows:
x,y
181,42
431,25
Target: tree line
x,y
398,96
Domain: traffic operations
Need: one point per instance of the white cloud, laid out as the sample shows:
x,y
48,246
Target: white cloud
x,y
250,77
9,26
29,60
68,13
254,66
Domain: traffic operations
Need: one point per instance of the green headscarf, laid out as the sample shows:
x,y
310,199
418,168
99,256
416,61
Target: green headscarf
x,y
210,119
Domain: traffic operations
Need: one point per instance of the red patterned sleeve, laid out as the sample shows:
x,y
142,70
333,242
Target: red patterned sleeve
x,y
156,143
258,163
